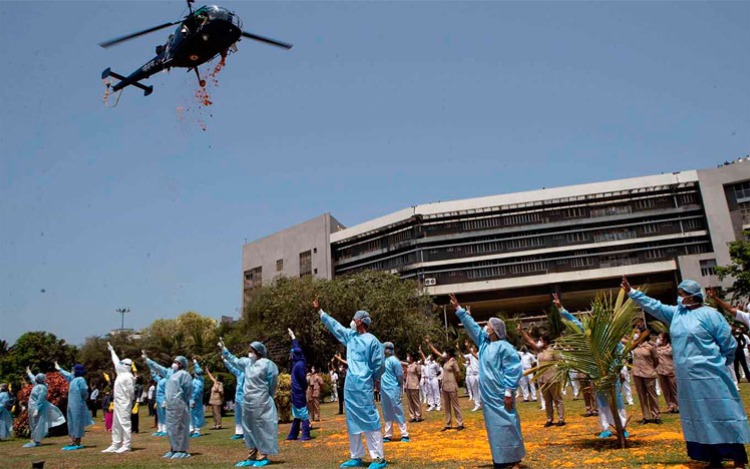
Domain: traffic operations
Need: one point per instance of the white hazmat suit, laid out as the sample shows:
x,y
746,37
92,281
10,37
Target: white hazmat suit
x,y
124,393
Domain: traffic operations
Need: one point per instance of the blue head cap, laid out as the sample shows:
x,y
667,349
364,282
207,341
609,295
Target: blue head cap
x,y
260,349
297,354
388,346
182,361
79,370
692,288
363,316
197,368
40,378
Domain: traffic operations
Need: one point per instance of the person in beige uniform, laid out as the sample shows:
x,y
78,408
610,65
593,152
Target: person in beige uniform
x,y
314,382
665,370
550,390
216,400
451,373
413,379
645,361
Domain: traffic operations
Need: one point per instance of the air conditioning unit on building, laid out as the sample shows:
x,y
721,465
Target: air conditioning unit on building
x,y
430,282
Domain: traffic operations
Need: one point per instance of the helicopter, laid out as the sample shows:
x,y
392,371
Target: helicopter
x,y
201,35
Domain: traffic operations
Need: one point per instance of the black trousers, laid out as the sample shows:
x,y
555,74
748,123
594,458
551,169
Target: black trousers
x,y
341,400
739,359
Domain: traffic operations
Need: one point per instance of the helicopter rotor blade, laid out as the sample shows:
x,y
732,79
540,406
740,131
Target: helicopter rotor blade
x,y
127,37
273,42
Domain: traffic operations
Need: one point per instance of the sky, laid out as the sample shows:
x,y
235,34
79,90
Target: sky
x,y
379,106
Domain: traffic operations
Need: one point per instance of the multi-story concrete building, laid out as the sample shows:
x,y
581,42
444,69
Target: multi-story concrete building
x,y
510,252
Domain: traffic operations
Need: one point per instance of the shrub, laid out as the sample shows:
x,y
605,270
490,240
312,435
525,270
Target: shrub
x,y
57,394
283,398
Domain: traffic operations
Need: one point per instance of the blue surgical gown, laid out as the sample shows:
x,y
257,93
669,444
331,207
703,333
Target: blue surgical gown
x,y
197,411
177,400
79,415
42,414
364,354
499,370
260,422
239,374
6,420
390,391
161,391
711,411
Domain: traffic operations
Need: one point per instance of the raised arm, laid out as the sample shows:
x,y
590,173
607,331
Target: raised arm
x,y
232,369
115,358
67,375
210,376
30,375
471,326
654,307
437,352
341,333
155,367
339,358
529,341
421,353
738,314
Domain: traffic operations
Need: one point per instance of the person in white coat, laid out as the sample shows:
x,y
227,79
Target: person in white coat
x,y
124,393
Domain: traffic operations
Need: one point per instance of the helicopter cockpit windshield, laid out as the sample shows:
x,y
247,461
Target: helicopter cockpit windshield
x,y
214,12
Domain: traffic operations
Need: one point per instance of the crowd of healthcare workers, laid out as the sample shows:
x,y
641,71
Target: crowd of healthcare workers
x,y
690,363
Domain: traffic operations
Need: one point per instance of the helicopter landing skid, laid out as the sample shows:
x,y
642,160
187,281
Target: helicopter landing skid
x,y
201,82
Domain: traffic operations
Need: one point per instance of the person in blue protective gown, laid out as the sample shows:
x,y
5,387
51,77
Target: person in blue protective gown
x,y
606,416
299,384
161,410
79,415
366,361
42,414
260,422
713,418
391,385
177,402
197,410
499,373
6,420
239,375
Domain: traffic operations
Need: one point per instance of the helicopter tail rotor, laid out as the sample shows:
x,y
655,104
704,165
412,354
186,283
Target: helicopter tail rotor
x,y
267,40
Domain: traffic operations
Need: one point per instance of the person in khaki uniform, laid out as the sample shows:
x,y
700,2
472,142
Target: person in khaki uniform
x,y
413,380
665,370
645,361
314,382
451,373
216,400
550,390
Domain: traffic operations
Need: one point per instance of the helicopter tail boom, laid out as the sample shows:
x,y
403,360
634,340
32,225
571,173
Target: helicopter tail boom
x,y
124,81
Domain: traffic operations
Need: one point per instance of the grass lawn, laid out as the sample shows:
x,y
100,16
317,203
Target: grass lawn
x,y
573,446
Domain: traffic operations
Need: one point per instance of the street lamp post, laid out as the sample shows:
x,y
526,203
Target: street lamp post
x,y
122,312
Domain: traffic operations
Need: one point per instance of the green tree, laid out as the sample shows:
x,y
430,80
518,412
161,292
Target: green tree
x,y
401,314
739,269
190,335
37,350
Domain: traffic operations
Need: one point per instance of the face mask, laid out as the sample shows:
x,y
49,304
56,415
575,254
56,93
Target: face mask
x,y
251,355
635,337
353,326
175,366
540,344
658,342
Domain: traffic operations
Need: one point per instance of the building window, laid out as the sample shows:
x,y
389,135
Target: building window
x,y
687,199
581,262
315,271
315,250
643,204
279,265
653,254
305,263
612,210
742,192
707,267
576,212
254,278
692,224
577,237
745,212
651,228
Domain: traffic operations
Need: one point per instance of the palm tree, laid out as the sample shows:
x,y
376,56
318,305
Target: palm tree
x,y
594,348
